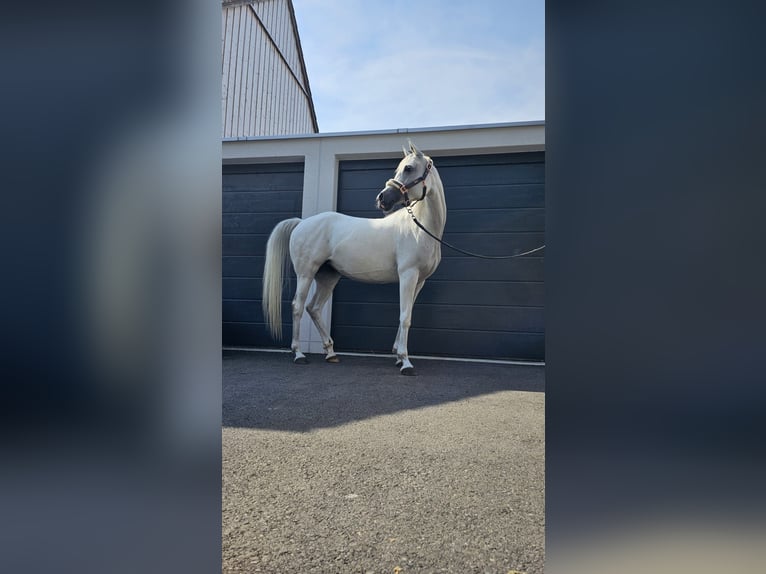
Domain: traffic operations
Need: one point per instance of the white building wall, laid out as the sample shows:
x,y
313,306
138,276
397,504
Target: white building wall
x,y
265,90
321,154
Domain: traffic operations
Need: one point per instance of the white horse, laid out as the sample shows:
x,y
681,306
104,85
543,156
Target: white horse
x,y
329,245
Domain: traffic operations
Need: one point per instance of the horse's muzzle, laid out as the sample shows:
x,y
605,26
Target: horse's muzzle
x,y
388,198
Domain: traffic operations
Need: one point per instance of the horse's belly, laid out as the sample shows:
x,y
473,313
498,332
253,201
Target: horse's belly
x,y
366,269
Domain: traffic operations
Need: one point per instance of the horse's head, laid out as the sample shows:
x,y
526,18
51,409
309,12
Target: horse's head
x,y
410,177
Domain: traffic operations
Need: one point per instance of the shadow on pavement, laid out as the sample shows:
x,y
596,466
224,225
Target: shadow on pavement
x,y
267,391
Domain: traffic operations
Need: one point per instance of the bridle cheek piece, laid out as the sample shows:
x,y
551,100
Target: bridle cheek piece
x,y
404,188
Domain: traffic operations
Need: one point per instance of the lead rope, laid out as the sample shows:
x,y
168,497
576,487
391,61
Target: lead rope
x,y
415,219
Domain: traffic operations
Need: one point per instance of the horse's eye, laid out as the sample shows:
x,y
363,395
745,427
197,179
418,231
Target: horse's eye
x,y
407,168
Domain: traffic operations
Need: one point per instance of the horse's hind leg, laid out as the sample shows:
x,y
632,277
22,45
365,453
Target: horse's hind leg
x,y
326,280
299,302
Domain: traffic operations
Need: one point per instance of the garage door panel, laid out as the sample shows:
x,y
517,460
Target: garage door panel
x,y
267,202
509,345
496,318
251,290
495,220
252,222
492,244
491,318
495,196
477,162
446,292
278,183
490,174
242,266
255,198
362,200
368,179
351,291
247,311
470,306
244,243
256,179
365,314
252,268
253,335
242,288
363,339
526,268
487,292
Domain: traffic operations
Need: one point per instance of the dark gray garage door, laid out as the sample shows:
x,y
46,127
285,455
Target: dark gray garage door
x,y
470,307
255,199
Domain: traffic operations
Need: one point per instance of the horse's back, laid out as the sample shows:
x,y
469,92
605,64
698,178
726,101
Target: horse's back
x,y
332,227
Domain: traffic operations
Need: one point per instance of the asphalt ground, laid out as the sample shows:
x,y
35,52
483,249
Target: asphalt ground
x,y
355,468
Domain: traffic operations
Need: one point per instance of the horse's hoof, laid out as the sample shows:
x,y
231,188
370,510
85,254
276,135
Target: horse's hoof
x,y
301,361
333,359
409,371
398,362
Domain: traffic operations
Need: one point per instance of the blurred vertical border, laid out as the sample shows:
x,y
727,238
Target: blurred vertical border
x,y
110,308
655,287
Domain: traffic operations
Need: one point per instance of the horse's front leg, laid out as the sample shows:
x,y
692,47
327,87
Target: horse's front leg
x,y
399,331
408,288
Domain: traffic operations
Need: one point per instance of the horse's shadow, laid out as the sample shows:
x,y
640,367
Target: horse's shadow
x,y
265,390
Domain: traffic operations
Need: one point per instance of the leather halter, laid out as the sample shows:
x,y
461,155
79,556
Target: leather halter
x,y
404,188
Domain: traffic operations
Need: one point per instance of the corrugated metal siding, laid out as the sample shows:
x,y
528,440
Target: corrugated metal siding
x,y
469,307
264,87
255,199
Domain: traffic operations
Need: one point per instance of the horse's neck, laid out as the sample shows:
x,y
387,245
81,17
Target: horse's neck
x,y
432,211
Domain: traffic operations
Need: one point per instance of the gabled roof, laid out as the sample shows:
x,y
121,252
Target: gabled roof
x,y
294,23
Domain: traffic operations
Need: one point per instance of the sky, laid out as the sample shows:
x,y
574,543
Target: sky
x,y
388,64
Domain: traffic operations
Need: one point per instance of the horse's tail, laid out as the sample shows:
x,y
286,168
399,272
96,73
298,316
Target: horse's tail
x,y
274,269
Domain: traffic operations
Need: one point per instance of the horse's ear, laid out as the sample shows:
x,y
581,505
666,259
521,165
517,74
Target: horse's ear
x,y
415,150
404,151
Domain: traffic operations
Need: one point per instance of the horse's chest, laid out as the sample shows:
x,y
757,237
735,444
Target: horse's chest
x,y
424,258
430,265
